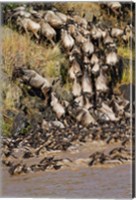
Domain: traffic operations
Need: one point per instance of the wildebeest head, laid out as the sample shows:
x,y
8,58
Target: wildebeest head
x,y
17,72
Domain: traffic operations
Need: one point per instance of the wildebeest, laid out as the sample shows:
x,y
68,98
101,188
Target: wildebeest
x,y
95,69
62,16
101,83
29,25
76,90
94,59
79,101
72,29
88,48
75,69
84,117
33,79
127,36
80,21
114,8
86,82
53,19
109,112
97,34
67,40
56,106
19,8
48,32
107,40
79,38
21,13
111,57
116,32
94,65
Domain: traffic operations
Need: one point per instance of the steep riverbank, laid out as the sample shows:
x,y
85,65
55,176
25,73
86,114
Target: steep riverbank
x,y
66,107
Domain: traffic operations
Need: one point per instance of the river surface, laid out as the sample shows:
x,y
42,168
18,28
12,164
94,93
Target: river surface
x,y
113,182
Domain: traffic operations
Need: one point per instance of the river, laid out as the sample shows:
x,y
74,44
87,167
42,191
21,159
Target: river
x,y
113,182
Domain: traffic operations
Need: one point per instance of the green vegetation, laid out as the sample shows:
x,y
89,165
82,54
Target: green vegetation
x,y
6,125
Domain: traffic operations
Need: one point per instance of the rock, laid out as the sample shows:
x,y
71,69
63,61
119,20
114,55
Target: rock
x,y
36,120
19,124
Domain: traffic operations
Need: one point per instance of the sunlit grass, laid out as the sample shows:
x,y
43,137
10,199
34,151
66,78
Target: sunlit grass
x,y
126,79
80,8
125,52
128,57
19,50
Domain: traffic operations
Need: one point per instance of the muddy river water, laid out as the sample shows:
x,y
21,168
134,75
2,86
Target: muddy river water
x,y
113,182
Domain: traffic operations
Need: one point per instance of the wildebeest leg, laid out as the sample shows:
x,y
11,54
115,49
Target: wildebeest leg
x,y
58,35
120,69
46,101
40,39
20,29
115,74
36,92
52,42
108,11
54,38
110,89
37,36
94,91
115,12
26,30
96,42
47,94
112,74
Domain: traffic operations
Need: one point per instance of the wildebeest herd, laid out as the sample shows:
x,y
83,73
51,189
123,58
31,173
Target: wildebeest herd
x,y
95,111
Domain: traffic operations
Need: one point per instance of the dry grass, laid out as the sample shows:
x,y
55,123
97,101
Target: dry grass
x,y
128,55
126,79
17,50
80,8
126,52
20,49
